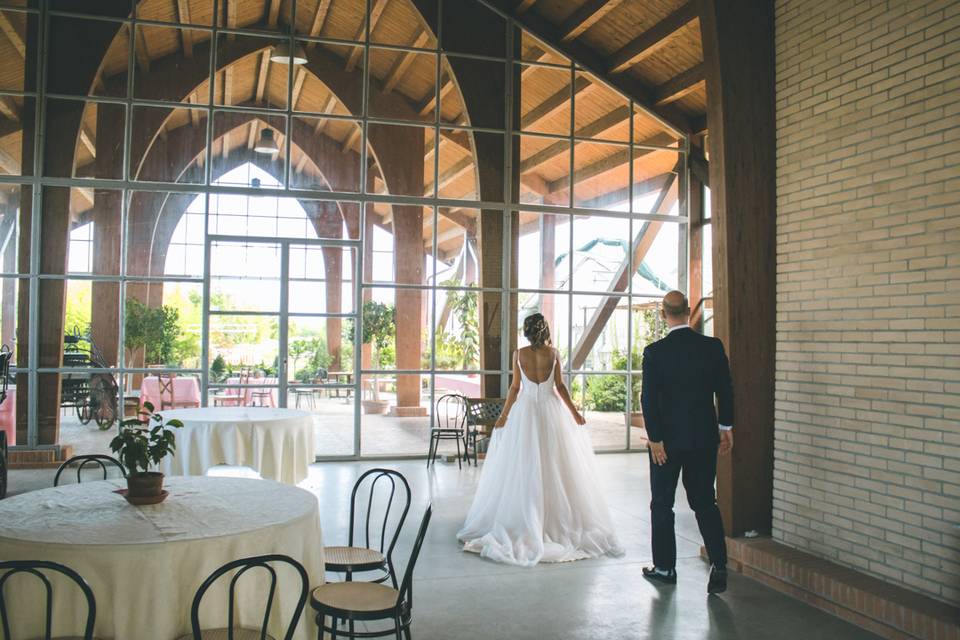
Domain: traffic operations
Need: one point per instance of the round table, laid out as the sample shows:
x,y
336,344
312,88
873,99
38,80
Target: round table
x,y
144,564
276,443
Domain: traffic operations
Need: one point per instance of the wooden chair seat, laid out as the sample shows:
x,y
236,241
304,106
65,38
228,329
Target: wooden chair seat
x,y
355,597
352,558
221,634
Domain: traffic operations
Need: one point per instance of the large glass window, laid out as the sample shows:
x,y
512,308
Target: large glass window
x,y
318,207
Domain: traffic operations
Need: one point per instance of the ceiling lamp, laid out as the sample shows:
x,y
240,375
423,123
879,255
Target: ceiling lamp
x,y
266,143
280,53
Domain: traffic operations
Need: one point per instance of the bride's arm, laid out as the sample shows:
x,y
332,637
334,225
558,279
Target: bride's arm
x,y
511,394
564,394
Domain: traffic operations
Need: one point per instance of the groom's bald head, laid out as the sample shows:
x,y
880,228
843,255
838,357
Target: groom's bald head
x,y
676,306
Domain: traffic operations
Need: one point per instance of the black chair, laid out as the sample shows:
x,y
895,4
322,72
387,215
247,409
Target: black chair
x,y
95,459
482,414
232,632
372,556
369,601
35,568
449,420
3,465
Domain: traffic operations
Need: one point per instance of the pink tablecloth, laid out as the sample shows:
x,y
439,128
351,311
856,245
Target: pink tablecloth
x,y
231,396
186,392
8,416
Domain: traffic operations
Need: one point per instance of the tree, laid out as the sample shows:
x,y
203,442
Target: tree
x,y
155,330
379,320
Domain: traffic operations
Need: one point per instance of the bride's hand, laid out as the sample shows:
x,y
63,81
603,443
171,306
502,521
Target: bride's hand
x,y
500,423
578,417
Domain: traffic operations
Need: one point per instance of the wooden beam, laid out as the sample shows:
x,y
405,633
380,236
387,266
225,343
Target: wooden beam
x,y
232,18
12,35
9,109
228,85
303,162
328,108
458,169
142,54
298,87
86,193
679,86
273,14
194,113
523,6
186,35
375,12
262,73
640,246
252,135
585,17
403,63
319,17
446,86
461,218
652,39
555,102
87,142
351,139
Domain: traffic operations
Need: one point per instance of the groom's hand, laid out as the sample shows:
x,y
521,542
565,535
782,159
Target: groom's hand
x,y
657,452
726,441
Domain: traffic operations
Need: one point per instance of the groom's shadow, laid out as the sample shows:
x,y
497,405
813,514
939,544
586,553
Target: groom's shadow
x,y
663,614
722,622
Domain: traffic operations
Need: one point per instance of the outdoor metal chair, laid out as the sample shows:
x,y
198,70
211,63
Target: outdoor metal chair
x,y
482,414
36,569
449,424
94,459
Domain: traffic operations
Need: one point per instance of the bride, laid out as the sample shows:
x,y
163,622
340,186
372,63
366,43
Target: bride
x,y
539,498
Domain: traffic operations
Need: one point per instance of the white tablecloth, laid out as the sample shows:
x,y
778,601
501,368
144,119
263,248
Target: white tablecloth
x,y
144,564
277,443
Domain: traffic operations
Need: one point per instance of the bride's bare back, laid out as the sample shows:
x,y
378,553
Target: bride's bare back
x,y
537,363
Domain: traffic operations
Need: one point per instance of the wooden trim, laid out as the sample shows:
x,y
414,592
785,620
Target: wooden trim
x,y
652,39
12,35
186,35
375,12
403,62
319,17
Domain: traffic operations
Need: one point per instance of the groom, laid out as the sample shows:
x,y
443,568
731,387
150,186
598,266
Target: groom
x,y
681,375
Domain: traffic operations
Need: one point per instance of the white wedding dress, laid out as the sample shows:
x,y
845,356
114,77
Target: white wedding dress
x,y
539,498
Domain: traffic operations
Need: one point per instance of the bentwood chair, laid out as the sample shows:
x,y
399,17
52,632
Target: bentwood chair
x,y
94,460
449,421
3,465
36,568
167,398
375,486
238,568
369,601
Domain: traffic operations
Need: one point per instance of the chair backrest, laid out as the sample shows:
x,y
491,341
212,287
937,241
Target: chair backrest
x,y
5,356
35,568
95,459
166,387
451,411
241,566
406,586
386,480
483,411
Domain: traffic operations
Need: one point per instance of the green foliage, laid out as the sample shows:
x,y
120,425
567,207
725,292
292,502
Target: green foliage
x,y
379,320
138,445
218,369
606,393
154,329
79,309
449,354
464,305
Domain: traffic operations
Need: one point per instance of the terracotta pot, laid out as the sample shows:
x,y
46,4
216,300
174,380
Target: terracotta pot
x,y
636,420
374,406
145,484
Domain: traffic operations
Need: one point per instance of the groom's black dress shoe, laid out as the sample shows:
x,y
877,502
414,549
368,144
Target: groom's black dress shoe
x,y
718,580
665,576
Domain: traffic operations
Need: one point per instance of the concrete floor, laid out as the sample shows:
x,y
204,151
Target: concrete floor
x,y
459,595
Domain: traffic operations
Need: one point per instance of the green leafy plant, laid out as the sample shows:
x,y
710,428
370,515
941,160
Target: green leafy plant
x,y
379,320
218,369
144,440
154,329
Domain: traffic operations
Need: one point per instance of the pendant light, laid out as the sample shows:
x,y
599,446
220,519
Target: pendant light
x,y
280,53
266,143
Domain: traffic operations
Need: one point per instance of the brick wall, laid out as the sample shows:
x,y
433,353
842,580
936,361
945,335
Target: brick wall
x,y
867,469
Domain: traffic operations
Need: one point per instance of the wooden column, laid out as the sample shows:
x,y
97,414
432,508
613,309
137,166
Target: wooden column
x,y
8,290
695,262
107,204
739,66
408,268
548,274
328,223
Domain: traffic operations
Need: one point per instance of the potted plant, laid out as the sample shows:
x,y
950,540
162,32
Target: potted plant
x,y
144,441
378,327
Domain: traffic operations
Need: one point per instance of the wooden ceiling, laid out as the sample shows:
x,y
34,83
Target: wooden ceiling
x,y
652,45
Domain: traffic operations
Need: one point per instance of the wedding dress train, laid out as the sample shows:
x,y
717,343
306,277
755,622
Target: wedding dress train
x,y
539,498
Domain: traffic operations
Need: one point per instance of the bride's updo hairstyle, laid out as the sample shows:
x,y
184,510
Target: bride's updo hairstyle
x,y
536,330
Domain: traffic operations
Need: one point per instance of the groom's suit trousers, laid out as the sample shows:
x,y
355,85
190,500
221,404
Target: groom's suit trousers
x,y
698,470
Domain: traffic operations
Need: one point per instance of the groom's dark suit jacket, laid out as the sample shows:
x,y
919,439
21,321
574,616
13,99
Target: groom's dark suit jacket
x,y
681,374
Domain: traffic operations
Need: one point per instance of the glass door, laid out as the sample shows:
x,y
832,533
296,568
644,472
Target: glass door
x,y
279,333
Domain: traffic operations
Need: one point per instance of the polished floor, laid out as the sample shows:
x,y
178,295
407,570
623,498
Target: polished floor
x,y
459,595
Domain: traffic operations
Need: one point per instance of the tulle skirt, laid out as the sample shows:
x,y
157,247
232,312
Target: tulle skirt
x,y
539,498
